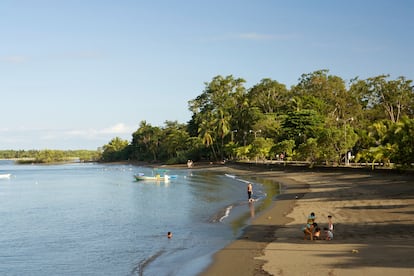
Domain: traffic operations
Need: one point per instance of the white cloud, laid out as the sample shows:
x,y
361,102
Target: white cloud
x,y
23,137
14,59
119,128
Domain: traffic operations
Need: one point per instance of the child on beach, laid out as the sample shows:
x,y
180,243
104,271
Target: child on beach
x,y
317,233
330,224
328,234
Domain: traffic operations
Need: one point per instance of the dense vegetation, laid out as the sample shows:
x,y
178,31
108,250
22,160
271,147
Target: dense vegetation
x,y
320,120
49,156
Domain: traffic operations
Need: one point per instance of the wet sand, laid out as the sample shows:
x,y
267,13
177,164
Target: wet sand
x,y
373,213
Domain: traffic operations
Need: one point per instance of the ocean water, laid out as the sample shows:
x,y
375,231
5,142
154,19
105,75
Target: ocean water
x,y
96,219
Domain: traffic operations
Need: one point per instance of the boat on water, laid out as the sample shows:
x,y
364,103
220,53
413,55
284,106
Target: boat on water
x,y
5,175
142,177
158,177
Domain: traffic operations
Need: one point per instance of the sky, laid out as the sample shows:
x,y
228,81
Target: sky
x,y
74,74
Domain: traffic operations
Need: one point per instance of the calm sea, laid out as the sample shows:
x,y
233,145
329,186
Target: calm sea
x,y
95,219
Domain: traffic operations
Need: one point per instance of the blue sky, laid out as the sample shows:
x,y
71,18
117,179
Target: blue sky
x,y
74,74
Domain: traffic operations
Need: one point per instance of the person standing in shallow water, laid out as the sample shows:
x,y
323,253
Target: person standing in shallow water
x,y
249,191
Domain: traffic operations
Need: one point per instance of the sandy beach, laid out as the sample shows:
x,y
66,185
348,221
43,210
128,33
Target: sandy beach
x,y
373,214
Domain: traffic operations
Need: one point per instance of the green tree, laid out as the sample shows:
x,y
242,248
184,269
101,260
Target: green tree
x,y
145,142
261,148
269,96
212,111
301,125
174,141
394,97
329,144
400,136
323,93
286,147
309,151
115,150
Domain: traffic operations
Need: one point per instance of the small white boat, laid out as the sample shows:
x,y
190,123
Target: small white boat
x,y
165,178
5,175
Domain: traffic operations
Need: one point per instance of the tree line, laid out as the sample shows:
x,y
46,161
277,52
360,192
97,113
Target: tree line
x,y
50,156
321,119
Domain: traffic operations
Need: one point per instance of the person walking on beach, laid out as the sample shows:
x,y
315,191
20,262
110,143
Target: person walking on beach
x,y
249,191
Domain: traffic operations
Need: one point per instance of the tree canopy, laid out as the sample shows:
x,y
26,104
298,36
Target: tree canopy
x,y
321,119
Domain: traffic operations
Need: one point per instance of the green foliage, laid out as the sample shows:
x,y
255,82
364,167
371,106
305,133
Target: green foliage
x,y
261,148
50,156
269,96
115,150
286,147
329,144
301,125
309,151
318,120
401,135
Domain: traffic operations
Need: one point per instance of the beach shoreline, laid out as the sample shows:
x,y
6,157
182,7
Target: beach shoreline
x,y
373,210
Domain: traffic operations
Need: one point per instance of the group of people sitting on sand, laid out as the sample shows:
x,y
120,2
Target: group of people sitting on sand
x,y
312,229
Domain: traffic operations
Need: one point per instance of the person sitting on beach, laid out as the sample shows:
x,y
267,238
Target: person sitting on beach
x,y
317,234
330,224
308,230
311,218
328,234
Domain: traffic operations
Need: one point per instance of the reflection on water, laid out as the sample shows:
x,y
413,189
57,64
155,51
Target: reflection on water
x,y
251,207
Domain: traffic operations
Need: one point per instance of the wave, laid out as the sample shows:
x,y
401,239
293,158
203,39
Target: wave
x,y
258,195
139,269
235,177
221,214
226,213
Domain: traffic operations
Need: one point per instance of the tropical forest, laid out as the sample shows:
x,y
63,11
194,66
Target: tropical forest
x,y
321,120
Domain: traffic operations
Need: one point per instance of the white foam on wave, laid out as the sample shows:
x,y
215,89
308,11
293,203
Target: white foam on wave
x,y
226,213
235,178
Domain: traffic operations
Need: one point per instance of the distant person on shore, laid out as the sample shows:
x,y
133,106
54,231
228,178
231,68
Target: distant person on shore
x,y
249,191
189,164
